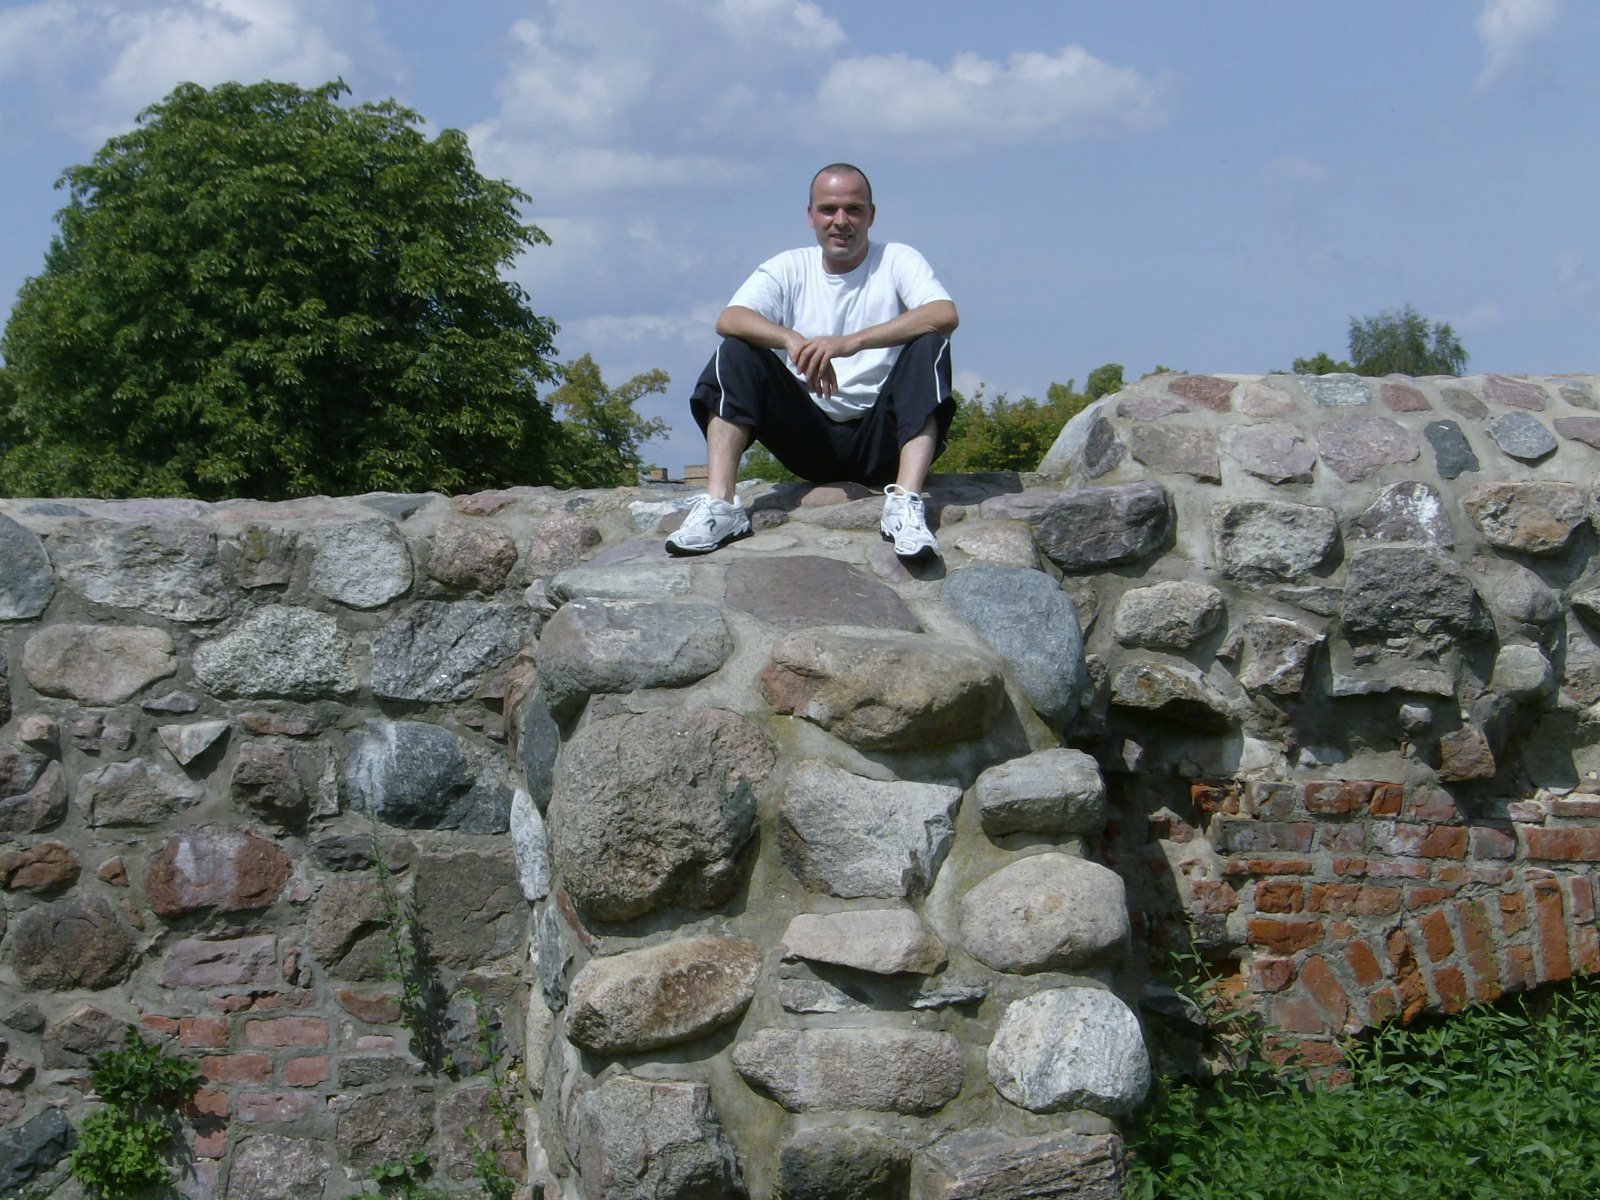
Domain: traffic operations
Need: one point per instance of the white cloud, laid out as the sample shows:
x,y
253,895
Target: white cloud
x,y
1032,97
1571,276
35,35
1507,28
800,25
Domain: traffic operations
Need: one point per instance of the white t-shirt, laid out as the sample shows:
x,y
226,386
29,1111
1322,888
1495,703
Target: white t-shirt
x,y
791,289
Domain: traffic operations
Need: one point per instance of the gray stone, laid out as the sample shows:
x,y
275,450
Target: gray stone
x,y
656,808
1054,791
30,1149
362,564
79,1039
188,742
19,769
1579,394
1579,429
1280,653
1580,681
997,544
269,1167
384,1127
1522,436
1034,627
1401,591
175,703
1360,444
167,568
1173,691
1402,398
43,804
274,780
1067,1048
662,995
803,590
552,956
1094,528
1260,399
560,541
259,555
1521,595
1272,451
79,942
1465,754
26,581
985,1164
97,664
592,646
1262,541
811,995
538,743
884,941
1406,512
469,906
439,651
134,794
884,690
347,928
1172,614
1148,408
882,1070
531,847
622,581
1176,450
1523,673
641,1139
842,1163
1339,390
246,963
853,837
471,555
1044,912
418,776
1452,453
1530,518
1519,393
279,650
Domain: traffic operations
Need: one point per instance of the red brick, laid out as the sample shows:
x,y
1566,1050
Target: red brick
x,y
1343,838
230,1004
1451,874
1213,798
1424,897
1555,962
1518,970
1436,938
1586,950
1452,989
1214,896
1382,1005
375,1009
1493,841
273,1108
287,1031
1270,974
1335,797
210,1033
236,1068
1280,896
1413,995
1233,835
210,1143
1513,914
1364,965
1433,805
165,1026
1356,867
1268,866
274,1000
1580,899
207,1102
1478,945
306,1072
1576,807
1296,1013
1169,826
1564,845
1270,801
1425,841
1386,800
1391,869
1284,937
374,1041
1356,899
1325,988
1341,931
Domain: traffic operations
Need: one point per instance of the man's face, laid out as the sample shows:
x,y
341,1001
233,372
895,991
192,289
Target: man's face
x,y
841,214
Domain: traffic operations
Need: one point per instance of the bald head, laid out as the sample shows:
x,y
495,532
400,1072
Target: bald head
x,y
844,169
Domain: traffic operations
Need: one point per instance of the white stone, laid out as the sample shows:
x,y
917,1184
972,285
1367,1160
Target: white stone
x,y
189,742
362,565
1044,912
885,941
1066,1048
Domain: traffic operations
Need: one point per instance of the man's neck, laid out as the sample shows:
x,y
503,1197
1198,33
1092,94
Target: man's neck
x,y
831,268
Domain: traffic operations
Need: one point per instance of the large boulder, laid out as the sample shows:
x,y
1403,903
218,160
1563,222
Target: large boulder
x,y
1045,912
1066,1048
642,1139
1034,626
883,1070
662,995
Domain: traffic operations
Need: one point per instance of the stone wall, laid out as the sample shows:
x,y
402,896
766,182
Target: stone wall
x,y
784,871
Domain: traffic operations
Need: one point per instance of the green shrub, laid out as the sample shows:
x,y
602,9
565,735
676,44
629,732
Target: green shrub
x,y
123,1147
1495,1102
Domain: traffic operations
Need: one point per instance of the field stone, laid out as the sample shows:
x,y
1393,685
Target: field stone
x,y
136,793
26,580
592,646
656,808
259,555
1406,512
985,1164
167,568
71,943
1338,390
642,1139
384,1127
1044,912
622,581
269,782
30,1149
998,544
1054,791
1522,595
842,1163
1522,436
279,650
1360,444
798,591
1173,449
1280,654
1530,518
1033,624
884,941
560,541
437,651
39,807
469,906
362,564
270,1167
531,845
1399,591
1452,453
216,868
1262,541
1093,528
188,742
882,1070
884,689
346,928
41,869
1175,691
662,995
1175,613
415,775
852,837
1522,673
1272,451
471,555
1068,1048
97,664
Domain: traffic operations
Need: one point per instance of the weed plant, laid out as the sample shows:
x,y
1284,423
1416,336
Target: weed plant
x,y
1495,1102
125,1148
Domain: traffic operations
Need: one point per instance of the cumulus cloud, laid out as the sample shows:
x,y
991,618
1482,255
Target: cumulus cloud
x,y
1031,97
1507,28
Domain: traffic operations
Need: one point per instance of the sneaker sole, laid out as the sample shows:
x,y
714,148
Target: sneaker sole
x,y
693,551
915,555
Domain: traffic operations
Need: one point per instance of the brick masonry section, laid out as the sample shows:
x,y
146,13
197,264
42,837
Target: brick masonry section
x,y
1356,902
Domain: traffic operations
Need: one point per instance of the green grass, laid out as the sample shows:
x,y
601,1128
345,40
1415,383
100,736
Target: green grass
x,y
1494,1103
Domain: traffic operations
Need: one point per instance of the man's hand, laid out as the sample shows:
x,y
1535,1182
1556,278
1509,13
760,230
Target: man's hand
x,y
814,358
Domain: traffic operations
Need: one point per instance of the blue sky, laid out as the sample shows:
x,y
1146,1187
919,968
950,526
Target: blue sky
x,y
1213,187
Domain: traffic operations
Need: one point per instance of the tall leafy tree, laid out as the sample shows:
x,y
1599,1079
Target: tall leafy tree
x,y
1402,342
601,432
262,292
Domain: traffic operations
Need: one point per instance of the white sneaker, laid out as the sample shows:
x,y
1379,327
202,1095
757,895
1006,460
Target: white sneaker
x,y
905,524
709,525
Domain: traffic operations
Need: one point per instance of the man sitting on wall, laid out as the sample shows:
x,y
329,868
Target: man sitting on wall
x,y
836,357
